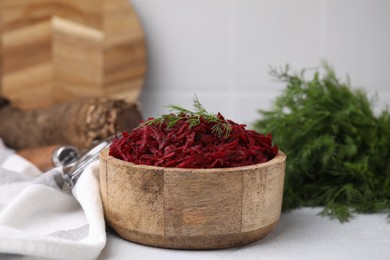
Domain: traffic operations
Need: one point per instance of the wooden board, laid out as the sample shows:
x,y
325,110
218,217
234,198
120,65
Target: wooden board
x,y
58,50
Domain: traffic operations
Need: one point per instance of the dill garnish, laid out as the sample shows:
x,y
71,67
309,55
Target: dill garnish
x,y
221,127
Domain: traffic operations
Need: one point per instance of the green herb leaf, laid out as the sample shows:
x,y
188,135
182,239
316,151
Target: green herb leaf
x,y
338,150
221,127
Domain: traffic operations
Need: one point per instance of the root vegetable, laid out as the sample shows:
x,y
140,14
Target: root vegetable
x,y
78,123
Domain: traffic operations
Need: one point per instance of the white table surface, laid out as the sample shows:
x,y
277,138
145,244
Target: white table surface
x,y
300,234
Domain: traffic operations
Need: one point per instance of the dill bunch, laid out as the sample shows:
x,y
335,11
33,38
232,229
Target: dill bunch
x,y
338,150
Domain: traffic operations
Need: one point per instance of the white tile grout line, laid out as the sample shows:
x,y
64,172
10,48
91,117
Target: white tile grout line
x,y
323,28
232,54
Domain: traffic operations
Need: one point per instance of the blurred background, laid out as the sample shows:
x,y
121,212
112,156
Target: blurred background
x,y
221,50
156,53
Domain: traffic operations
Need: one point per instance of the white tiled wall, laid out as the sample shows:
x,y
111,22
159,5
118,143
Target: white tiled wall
x,y
221,50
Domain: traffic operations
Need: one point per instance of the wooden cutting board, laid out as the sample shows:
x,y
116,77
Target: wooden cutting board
x,y
59,50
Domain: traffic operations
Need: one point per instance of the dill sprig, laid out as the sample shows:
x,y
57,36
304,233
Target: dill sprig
x,y
221,127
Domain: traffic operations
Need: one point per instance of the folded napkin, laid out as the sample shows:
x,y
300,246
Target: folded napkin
x,y
41,217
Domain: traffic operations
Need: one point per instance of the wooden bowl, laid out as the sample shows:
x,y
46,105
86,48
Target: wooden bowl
x,y
191,208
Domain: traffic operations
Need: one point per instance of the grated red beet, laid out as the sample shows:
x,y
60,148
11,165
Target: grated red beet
x,y
183,146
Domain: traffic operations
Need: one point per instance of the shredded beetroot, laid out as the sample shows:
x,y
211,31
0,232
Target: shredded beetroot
x,y
183,146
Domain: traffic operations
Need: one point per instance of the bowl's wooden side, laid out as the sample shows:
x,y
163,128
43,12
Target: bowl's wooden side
x,y
191,208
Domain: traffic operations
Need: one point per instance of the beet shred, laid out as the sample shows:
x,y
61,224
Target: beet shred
x,y
182,146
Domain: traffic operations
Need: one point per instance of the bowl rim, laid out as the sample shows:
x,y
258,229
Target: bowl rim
x,y
279,158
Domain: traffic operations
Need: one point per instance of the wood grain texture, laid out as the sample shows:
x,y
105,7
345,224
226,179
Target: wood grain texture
x,y
192,208
59,50
144,203
201,203
40,156
261,203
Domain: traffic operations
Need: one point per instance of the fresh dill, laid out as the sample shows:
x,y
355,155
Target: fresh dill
x,y
221,127
338,150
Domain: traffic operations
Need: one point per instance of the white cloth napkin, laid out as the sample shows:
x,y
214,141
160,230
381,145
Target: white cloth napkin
x,y
41,217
